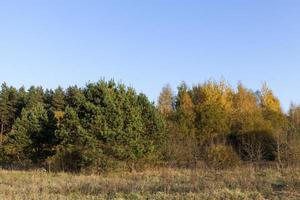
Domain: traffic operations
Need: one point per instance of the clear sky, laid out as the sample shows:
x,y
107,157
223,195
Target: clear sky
x,y
148,43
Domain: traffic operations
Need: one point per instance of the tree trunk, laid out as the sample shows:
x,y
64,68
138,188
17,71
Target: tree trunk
x,y
2,132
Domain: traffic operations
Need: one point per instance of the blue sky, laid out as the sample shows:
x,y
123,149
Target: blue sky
x,y
148,43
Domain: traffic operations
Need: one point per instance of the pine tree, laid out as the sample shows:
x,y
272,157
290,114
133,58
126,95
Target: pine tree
x,y
76,148
8,108
58,99
35,95
21,100
184,139
75,97
31,136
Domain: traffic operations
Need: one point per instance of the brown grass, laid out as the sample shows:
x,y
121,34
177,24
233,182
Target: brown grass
x,y
163,183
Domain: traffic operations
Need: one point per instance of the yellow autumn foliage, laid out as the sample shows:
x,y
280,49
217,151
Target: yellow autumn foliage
x,y
268,100
213,92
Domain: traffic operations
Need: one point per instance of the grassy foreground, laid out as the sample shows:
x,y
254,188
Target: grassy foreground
x,y
243,183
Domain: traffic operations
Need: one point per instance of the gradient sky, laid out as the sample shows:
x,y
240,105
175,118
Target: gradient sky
x,y
148,43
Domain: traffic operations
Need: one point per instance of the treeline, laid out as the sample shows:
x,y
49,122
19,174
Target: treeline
x,y
106,125
223,126
90,128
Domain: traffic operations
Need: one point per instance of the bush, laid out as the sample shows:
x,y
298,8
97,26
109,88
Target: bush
x,y
290,151
76,159
221,157
255,146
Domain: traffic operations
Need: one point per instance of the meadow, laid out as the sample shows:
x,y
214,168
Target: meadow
x,y
160,183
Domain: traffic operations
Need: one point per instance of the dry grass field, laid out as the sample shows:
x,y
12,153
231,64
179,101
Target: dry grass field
x,y
163,183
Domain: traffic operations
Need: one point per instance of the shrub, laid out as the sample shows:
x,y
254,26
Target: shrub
x,y
80,161
255,145
221,157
